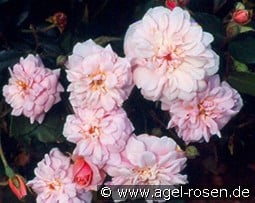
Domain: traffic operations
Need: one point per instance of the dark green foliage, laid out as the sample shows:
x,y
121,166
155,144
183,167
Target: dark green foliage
x,y
242,47
243,82
49,131
213,25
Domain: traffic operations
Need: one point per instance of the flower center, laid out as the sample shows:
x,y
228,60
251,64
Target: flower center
x,y
168,57
90,132
94,131
22,85
97,81
144,173
55,185
201,109
205,107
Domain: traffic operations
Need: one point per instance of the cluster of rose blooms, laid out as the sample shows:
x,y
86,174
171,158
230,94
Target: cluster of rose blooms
x,y
168,57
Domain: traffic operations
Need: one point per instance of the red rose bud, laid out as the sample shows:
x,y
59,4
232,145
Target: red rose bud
x,y
18,187
82,172
59,19
241,16
171,4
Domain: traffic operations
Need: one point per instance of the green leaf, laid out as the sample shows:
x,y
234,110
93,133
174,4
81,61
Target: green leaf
x,y
22,17
243,82
3,1
213,25
239,5
240,67
9,58
49,131
21,128
51,47
104,40
218,4
201,5
66,42
245,29
242,47
9,172
142,8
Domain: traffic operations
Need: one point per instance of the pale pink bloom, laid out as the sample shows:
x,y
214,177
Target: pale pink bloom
x,y
170,54
207,113
98,132
99,78
147,160
54,180
32,89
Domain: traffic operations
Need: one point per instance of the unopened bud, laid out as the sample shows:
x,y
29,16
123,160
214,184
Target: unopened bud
x,y
232,29
61,60
17,186
59,19
171,4
241,16
192,152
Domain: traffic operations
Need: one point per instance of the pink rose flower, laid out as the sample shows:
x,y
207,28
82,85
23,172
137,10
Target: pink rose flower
x,y
32,89
82,172
170,54
86,174
147,160
99,78
207,113
54,180
98,133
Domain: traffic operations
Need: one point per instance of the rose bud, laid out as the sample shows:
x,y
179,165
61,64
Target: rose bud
x,y
241,16
171,4
232,29
59,19
86,174
82,172
17,186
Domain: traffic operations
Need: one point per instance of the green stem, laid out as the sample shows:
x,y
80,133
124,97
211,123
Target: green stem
x,y
32,29
8,170
2,154
4,183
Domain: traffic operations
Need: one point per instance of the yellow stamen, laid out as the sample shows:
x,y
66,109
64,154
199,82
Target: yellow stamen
x,y
55,185
144,173
97,84
202,110
22,84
